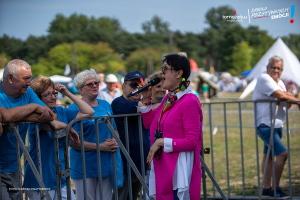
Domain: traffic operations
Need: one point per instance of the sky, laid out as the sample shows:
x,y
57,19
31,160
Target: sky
x,y
21,18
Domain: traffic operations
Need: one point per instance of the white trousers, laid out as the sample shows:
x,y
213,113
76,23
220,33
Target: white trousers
x,y
92,188
35,195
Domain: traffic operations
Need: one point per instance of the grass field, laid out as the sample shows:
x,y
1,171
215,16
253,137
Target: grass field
x,y
249,148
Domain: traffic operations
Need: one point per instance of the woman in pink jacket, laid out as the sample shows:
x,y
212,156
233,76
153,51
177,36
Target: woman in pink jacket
x,y
175,133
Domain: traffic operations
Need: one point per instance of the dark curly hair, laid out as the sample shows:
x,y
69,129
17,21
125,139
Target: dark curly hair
x,y
179,62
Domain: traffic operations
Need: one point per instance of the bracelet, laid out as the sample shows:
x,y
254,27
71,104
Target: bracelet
x,y
146,104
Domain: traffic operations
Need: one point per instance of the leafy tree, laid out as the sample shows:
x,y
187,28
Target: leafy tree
x,y
80,23
293,42
156,25
4,59
99,56
137,60
11,46
260,41
241,58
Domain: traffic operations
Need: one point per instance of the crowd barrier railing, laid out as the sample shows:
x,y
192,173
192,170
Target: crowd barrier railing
x,y
65,173
218,117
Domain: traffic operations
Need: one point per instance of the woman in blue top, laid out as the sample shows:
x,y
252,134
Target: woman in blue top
x,y
87,83
46,91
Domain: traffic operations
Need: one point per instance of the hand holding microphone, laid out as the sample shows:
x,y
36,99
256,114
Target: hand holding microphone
x,y
152,82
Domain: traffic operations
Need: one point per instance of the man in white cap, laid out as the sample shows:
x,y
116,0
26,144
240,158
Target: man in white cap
x,y
110,92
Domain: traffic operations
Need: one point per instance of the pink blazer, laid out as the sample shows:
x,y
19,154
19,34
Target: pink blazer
x,y
183,124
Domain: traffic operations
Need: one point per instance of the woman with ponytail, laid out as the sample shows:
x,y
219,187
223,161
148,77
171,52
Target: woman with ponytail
x,y
175,133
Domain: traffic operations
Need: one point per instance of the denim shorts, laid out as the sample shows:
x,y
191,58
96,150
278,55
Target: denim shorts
x,y
264,133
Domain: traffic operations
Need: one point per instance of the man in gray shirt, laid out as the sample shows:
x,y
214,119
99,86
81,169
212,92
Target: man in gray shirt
x,y
110,92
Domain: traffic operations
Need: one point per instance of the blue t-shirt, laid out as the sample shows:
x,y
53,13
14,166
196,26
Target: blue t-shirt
x,y
64,115
8,157
103,109
122,106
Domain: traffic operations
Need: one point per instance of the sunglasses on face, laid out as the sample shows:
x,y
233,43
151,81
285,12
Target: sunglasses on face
x,y
274,68
133,85
50,94
90,85
165,68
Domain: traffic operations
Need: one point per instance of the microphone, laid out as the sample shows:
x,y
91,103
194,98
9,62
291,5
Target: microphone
x,y
153,82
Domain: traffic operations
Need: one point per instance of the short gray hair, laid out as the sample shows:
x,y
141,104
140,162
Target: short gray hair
x,y
13,67
83,76
275,59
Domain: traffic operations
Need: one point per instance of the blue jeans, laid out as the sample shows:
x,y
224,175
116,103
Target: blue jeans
x,y
264,132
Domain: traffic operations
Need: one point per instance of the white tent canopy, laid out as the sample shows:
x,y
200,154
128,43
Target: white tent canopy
x,y
291,66
60,79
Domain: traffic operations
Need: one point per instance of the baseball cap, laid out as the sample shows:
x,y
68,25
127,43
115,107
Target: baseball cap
x,y
134,75
111,78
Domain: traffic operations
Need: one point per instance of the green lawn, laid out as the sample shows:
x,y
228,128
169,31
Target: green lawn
x,y
249,149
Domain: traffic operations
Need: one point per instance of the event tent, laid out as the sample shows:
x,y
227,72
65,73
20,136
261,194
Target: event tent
x,y
291,66
60,79
291,63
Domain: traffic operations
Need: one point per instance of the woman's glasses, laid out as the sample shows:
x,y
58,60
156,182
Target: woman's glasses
x,y
165,68
50,94
133,84
90,85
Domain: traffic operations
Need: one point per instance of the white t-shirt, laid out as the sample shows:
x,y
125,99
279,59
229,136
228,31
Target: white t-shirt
x,y
266,86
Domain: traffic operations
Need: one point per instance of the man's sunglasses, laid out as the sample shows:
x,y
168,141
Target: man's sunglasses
x,y
133,84
274,68
90,85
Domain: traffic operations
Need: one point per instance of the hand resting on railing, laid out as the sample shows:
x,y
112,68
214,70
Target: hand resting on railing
x,y
60,125
109,144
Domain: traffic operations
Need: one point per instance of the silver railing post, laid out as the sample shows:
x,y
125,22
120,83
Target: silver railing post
x,y
211,145
38,152
83,160
226,149
114,168
242,153
273,152
142,152
57,164
19,167
67,167
203,173
98,158
128,150
256,144
288,144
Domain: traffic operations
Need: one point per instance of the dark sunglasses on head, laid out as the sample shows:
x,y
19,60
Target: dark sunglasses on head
x,y
90,85
50,94
133,84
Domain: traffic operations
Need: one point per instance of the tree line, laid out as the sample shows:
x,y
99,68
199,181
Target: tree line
x,y
102,44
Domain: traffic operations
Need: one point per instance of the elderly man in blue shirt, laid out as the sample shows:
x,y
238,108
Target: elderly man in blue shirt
x,y
23,104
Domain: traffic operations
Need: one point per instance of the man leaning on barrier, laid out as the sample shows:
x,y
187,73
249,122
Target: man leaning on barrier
x,y
23,105
270,87
125,105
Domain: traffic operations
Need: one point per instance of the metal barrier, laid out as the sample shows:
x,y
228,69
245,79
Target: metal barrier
x,y
219,118
37,172
65,173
